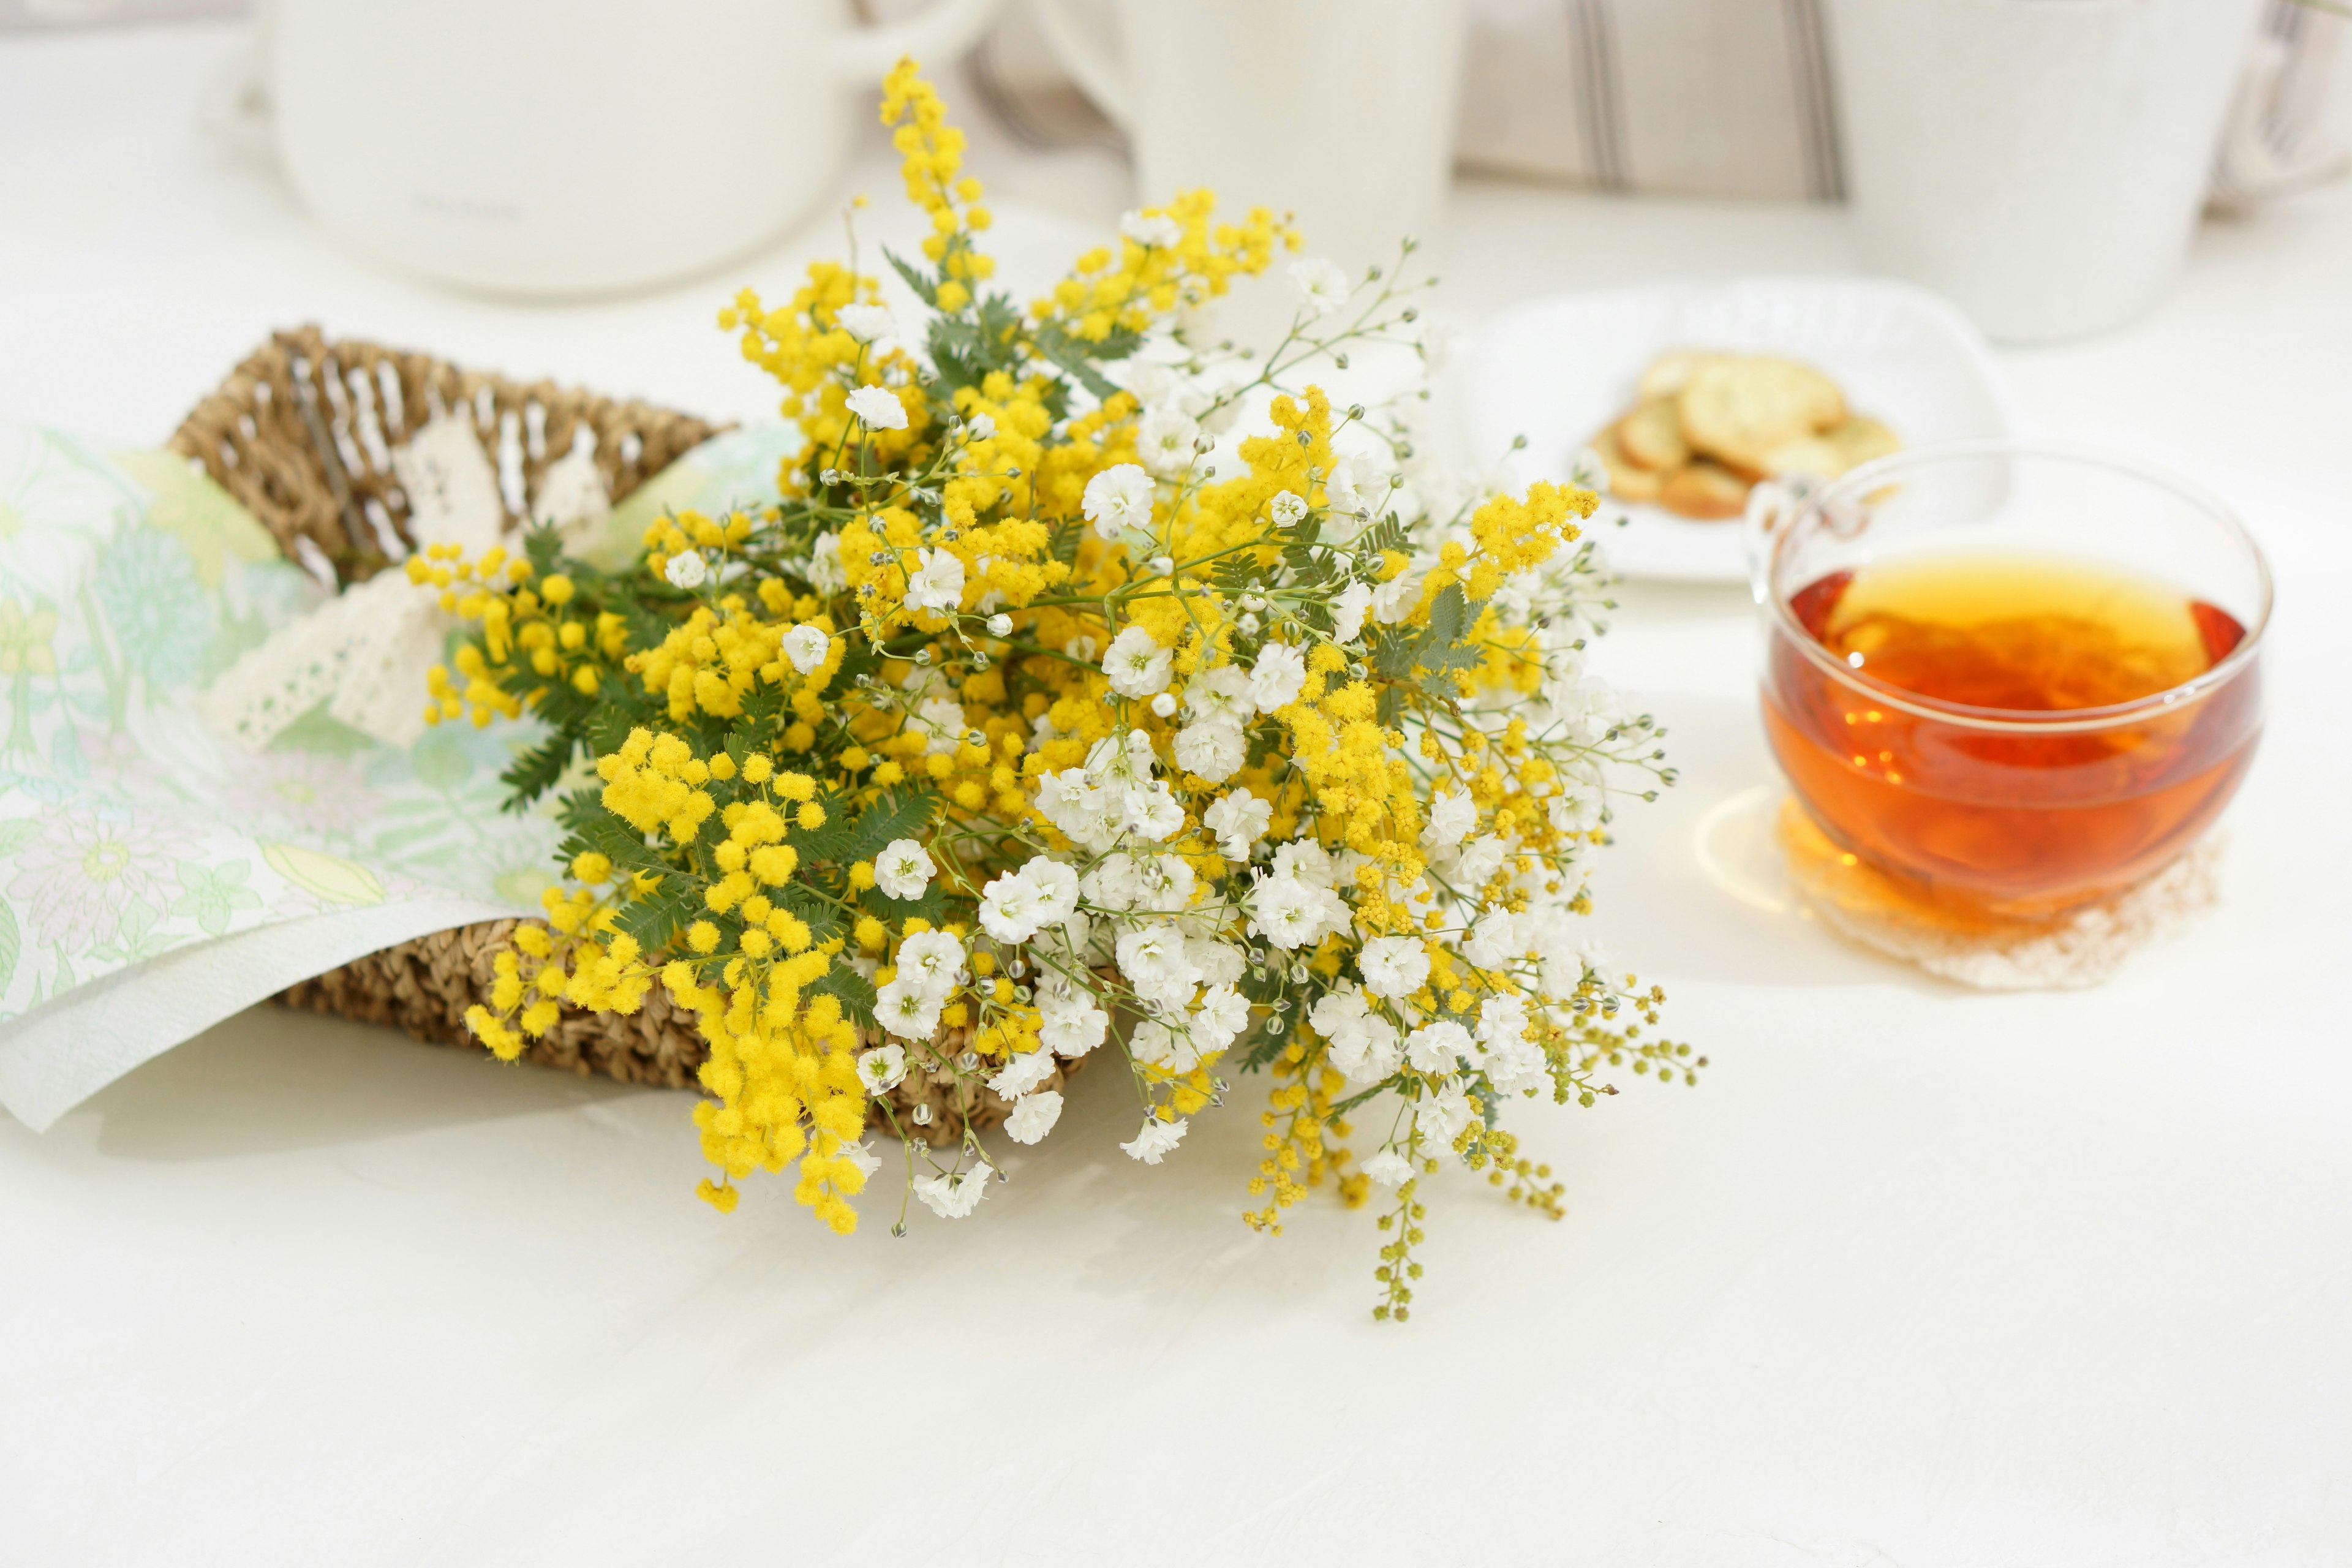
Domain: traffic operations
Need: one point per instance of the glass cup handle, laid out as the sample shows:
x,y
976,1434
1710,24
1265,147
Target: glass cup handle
x,y
1772,504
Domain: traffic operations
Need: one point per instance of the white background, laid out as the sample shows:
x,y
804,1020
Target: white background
x,y
1915,1276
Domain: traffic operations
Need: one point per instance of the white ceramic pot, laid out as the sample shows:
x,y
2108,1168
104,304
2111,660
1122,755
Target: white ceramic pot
x,y
1340,111
2041,162
576,147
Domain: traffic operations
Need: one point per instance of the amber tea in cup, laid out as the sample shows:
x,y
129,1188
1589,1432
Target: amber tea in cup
x,y
2013,678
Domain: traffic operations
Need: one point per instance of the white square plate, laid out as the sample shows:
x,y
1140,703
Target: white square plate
x,y
1559,370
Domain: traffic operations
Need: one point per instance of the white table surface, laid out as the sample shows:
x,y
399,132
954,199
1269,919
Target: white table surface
x,y
1915,1276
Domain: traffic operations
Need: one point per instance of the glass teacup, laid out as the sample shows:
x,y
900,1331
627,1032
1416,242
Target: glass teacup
x,y
2014,679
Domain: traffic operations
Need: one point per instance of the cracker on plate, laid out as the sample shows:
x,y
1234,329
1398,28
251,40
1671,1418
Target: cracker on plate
x,y
1738,410
1858,440
1628,480
1705,491
1652,435
1670,372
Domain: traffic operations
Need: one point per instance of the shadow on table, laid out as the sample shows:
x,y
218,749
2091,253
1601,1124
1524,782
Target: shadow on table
x,y
271,1081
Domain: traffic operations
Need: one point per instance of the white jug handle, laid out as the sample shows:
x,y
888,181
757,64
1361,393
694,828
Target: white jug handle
x,y
865,54
1103,78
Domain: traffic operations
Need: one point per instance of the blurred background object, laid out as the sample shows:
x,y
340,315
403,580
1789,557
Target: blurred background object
x,y
27,14
1205,91
576,147
2042,161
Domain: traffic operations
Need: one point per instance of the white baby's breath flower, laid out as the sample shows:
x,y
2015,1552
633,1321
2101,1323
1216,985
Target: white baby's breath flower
x,y
1072,1025
1053,888
1394,601
878,408
1221,1017
906,1010
1440,341
1347,611
1442,1117
931,962
1212,748
953,1197
1238,820
1022,1073
903,870
942,717
1388,1168
863,1156
1008,909
1150,383
1286,509
1136,665
1320,287
1221,693
1276,676
867,323
1156,1141
1393,966
1357,486
880,1068
1495,941
1151,811
1163,439
1120,496
825,569
1285,912
1438,1048
1000,625
1164,704
806,647
1307,861
1366,1049
980,427
1452,814
1578,811
1155,230
1033,1116
687,570
1164,885
938,582
1478,862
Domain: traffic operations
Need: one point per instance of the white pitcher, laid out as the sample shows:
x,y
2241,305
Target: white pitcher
x,y
574,147
1339,110
2042,162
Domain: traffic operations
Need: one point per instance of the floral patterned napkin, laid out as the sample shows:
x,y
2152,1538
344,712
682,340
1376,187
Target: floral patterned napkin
x,y
139,851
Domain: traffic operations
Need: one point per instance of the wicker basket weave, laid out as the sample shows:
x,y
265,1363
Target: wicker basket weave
x,y
301,434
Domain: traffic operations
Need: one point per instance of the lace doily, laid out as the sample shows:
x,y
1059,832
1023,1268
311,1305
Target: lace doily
x,y
365,652
2080,948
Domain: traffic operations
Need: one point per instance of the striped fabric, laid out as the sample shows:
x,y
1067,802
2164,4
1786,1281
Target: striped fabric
x,y
1716,97
1735,98
1726,98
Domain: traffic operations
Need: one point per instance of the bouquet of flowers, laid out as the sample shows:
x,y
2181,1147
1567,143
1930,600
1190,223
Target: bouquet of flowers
x,y
1029,723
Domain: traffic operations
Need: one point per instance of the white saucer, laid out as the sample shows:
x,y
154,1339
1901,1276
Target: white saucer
x,y
1557,370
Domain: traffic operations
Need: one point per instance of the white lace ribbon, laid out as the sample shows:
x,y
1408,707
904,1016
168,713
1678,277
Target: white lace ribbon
x,y
365,652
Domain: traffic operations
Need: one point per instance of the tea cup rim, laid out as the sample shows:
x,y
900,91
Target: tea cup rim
x,y
1817,498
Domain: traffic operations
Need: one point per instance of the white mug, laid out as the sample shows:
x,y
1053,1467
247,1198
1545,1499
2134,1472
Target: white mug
x,y
2042,162
576,147
1339,110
